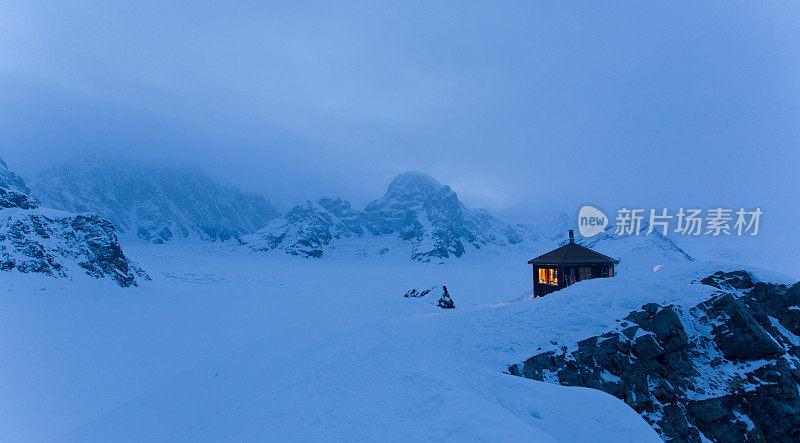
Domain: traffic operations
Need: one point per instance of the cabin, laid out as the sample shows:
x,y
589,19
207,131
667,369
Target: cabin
x,y
567,265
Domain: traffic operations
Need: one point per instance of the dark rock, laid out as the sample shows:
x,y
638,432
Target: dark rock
x,y
445,302
678,384
629,332
729,280
416,294
739,336
646,347
651,308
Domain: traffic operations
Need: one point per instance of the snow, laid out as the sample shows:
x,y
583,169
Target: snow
x,y
228,346
793,339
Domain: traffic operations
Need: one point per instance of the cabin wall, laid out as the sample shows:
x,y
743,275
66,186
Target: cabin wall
x,y
540,289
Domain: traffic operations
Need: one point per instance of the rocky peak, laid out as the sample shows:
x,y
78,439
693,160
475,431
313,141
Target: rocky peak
x,y
416,209
412,184
409,190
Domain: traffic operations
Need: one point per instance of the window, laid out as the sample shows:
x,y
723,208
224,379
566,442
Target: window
x,y
548,276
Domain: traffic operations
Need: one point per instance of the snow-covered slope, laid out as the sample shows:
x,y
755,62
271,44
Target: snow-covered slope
x,y
154,203
57,243
251,347
255,347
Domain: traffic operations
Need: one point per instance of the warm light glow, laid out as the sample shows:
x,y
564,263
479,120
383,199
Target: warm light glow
x,y
548,276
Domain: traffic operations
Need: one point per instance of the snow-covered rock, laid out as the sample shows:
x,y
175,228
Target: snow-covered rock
x,y
417,211
155,203
308,228
430,216
725,369
444,301
13,191
56,243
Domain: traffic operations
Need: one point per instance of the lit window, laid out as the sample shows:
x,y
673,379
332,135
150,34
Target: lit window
x,y
548,277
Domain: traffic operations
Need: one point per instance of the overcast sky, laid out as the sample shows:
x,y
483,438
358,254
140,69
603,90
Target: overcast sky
x,y
522,108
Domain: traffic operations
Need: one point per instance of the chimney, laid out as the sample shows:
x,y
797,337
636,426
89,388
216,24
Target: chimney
x,y
571,236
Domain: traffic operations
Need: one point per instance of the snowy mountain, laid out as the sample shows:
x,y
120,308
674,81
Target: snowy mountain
x,y
642,252
421,218
416,213
417,217
430,216
639,250
155,203
54,243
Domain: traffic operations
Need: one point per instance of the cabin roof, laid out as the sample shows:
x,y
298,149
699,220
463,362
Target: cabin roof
x,y
572,254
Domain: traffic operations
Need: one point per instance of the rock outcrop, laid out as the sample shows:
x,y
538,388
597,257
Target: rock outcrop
x,y
726,369
54,243
444,301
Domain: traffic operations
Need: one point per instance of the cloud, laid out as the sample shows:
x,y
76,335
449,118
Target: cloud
x,y
516,105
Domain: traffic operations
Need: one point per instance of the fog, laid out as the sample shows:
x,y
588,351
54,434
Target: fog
x,y
523,108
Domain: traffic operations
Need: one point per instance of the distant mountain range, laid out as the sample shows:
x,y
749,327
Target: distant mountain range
x,y
56,243
154,203
417,217
416,212
424,219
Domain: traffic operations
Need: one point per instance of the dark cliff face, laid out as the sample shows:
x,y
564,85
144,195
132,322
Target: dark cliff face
x,y
35,240
13,191
12,199
156,203
726,369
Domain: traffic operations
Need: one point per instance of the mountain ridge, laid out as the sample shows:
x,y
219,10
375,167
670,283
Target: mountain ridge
x,y
417,217
415,209
155,203
426,221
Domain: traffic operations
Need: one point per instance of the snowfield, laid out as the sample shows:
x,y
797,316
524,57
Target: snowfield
x,y
223,345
